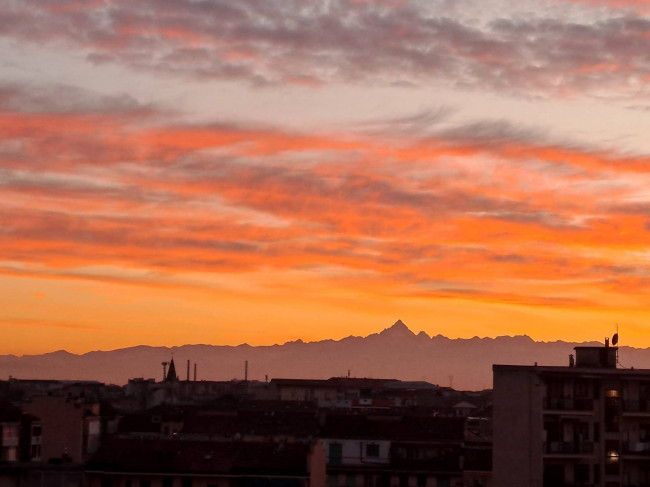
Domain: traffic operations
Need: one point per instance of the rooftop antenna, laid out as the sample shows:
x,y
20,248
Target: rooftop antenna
x,y
615,342
165,364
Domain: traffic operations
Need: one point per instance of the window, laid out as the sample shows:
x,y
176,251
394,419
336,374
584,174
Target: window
x,y
581,388
35,453
167,481
611,457
581,474
555,388
372,450
644,432
335,454
36,430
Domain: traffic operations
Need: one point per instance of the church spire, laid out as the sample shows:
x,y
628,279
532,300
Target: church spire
x,y
171,373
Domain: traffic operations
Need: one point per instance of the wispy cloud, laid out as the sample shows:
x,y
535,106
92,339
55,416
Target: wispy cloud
x,y
316,43
490,210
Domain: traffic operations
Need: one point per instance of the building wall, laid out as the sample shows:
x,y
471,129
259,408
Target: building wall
x,y
9,441
317,466
357,452
189,480
517,458
62,420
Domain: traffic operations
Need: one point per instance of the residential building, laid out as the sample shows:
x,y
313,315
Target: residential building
x,y
586,424
72,428
189,463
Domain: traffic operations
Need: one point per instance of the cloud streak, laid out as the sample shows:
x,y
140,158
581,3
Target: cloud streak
x,y
318,43
506,213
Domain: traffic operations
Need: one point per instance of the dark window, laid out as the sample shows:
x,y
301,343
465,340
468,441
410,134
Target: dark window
x,y
186,482
167,481
555,388
443,482
581,388
36,451
611,413
372,450
581,474
336,454
553,475
644,432
145,483
582,430
106,482
36,430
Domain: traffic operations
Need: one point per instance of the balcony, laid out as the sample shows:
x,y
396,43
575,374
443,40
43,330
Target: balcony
x,y
581,404
568,448
637,448
636,407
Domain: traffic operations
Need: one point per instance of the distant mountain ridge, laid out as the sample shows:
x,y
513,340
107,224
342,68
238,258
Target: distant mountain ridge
x,y
396,352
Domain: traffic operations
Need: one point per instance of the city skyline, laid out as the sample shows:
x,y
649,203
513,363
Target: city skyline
x,y
219,172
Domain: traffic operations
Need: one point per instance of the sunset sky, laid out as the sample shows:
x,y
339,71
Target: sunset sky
x,y
220,171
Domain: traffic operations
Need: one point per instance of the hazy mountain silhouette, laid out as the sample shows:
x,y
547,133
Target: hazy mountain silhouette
x,y
395,352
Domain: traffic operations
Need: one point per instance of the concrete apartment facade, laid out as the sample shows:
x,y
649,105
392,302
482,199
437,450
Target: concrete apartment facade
x,y
587,424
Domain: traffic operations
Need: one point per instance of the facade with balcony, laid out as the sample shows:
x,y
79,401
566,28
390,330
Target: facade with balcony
x,y
587,424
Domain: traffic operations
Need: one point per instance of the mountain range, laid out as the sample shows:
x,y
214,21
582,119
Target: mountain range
x,y
394,353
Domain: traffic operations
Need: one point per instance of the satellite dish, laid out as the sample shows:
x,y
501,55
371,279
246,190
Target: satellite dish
x,y
615,339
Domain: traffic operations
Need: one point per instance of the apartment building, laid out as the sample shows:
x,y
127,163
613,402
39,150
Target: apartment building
x,y
586,424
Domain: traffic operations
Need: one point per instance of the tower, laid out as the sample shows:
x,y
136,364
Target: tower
x,y
171,373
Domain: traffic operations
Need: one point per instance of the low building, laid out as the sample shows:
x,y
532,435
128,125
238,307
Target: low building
x,y
189,463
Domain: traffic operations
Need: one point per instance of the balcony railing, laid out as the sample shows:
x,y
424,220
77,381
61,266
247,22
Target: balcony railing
x,y
636,406
569,448
569,403
637,448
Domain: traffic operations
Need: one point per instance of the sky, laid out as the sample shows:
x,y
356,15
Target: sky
x,y
212,171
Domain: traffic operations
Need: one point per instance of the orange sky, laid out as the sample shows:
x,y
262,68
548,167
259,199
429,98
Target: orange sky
x,y
164,184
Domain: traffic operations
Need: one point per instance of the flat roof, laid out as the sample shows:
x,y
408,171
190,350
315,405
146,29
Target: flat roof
x,y
558,369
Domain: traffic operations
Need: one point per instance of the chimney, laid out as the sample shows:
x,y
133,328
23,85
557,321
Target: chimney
x,y
194,371
188,371
246,370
